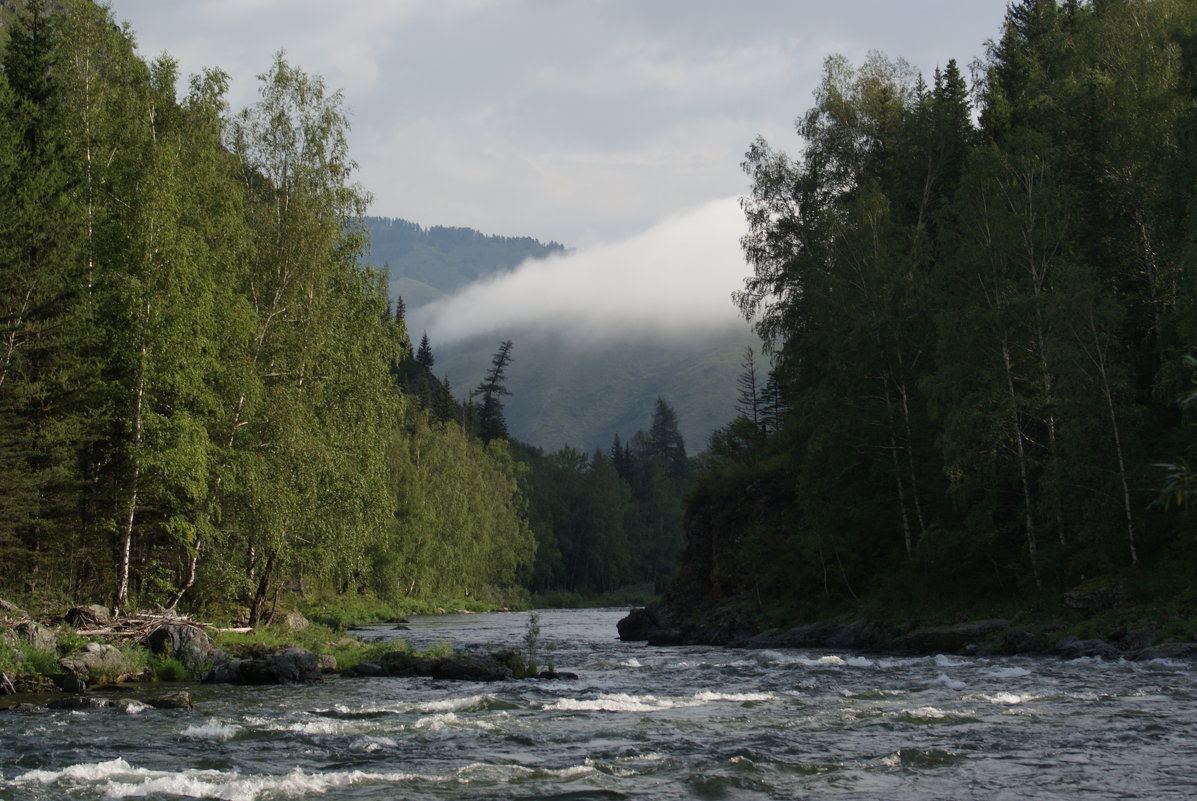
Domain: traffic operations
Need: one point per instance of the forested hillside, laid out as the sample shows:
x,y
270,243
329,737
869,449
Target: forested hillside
x,y
198,401
424,264
564,392
980,309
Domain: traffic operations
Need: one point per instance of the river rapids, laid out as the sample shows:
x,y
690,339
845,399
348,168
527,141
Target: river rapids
x,y
639,723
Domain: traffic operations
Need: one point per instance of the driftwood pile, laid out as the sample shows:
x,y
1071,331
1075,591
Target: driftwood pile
x,y
136,626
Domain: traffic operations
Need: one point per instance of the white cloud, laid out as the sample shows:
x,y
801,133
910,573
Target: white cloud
x,y
674,279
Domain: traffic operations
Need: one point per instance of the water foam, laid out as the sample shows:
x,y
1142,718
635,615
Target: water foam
x,y
739,697
454,704
949,682
118,779
212,729
617,702
1007,673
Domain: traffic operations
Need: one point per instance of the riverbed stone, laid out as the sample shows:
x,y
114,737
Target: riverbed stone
x,y
284,665
130,706
1168,650
951,639
79,702
449,668
1072,647
175,700
642,622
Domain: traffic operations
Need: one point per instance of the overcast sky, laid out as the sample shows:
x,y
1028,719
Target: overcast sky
x,y
580,122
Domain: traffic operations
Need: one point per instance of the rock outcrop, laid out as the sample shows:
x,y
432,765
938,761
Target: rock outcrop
x,y
283,665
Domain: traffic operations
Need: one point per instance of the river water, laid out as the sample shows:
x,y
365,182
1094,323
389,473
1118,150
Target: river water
x,y
644,723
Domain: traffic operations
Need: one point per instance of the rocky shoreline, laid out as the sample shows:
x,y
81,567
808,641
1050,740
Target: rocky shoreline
x,y
100,663
729,626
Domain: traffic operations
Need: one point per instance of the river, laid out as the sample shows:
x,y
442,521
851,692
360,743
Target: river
x,y
644,723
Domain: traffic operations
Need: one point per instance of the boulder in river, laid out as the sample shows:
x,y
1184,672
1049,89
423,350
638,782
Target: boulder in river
x,y
1168,650
450,668
177,700
1072,647
646,622
284,665
956,638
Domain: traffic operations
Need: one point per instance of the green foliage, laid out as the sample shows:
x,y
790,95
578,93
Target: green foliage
x,y
612,520
979,333
166,667
197,402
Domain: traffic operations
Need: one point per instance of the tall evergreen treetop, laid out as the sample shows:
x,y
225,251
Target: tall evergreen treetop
x,y
424,356
489,408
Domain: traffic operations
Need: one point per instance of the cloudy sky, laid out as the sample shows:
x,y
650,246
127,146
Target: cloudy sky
x,y
584,122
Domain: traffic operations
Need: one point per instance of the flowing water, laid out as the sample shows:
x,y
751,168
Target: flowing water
x,y
641,722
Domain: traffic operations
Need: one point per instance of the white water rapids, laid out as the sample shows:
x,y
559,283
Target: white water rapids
x,y
640,722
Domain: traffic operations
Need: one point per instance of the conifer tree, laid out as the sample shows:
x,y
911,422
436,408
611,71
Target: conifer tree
x,y
489,407
424,356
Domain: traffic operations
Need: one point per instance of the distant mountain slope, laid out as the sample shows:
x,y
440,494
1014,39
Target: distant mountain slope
x,y
427,263
562,394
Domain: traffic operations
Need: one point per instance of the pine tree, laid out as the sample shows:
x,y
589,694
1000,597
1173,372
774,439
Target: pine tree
x,y
424,356
489,407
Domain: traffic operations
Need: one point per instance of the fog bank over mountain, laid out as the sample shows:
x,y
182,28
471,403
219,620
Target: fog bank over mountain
x,y
673,280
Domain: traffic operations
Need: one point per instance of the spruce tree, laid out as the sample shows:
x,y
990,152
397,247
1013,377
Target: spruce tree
x,y
424,356
489,406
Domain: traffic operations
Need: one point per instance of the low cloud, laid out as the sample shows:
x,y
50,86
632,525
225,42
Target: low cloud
x,y
675,279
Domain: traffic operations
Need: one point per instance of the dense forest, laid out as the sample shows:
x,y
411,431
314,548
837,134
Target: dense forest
x,y
206,399
196,395
607,525
979,306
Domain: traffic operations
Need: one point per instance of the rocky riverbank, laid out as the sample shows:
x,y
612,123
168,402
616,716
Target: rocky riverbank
x,y
86,649
730,626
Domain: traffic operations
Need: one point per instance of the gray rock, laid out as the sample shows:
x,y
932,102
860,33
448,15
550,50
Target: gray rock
x,y
179,700
1168,650
97,661
368,669
326,663
449,668
91,615
952,639
37,635
563,675
288,665
1072,647
11,610
71,683
641,622
294,621
188,643
80,702
130,706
